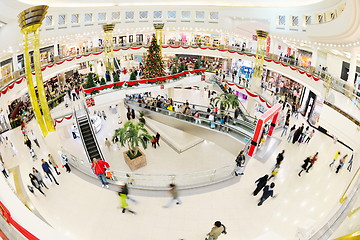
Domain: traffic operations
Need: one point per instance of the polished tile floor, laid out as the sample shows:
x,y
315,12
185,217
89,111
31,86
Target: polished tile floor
x,y
86,211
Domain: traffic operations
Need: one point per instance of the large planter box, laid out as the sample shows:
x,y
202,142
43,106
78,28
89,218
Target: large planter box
x,y
135,163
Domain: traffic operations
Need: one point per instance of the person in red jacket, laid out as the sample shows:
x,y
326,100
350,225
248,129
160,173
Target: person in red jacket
x,y
313,160
99,168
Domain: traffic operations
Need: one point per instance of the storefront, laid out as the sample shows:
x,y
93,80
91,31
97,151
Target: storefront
x,y
279,84
6,68
304,58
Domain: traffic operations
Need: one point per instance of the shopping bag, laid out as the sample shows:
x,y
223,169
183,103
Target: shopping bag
x,y
109,175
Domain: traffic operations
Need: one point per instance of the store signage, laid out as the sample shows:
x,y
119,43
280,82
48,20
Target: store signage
x,y
162,86
203,77
90,102
255,37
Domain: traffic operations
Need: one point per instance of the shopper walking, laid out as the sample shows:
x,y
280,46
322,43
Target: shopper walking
x,y
38,176
240,164
99,168
157,138
107,143
267,192
64,161
291,133
3,170
216,231
27,141
279,159
35,183
153,142
313,160
334,159
309,136
285,128
174,194
123,193
261,182
46,167
34,138
341,163
297,134
53,163
305,165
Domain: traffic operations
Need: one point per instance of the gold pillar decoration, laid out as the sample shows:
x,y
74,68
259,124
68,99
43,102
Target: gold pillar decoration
x,y
159,34
30,21
109,46
260,52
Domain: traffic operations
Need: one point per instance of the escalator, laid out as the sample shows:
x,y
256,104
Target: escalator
x,y
116,64
230,137
87,135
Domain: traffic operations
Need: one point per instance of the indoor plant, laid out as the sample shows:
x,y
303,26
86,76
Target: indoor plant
x,y
133,135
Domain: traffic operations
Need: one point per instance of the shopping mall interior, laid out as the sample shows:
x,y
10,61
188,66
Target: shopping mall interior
x,y
245,112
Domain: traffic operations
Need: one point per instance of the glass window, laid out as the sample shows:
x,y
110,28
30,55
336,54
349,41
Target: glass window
x,y
185,14
294,21
102,17
62,19
75,18
88,17
281,20
172,14
143,14
115,15
129,15
200,14
48,20
214,15
157,14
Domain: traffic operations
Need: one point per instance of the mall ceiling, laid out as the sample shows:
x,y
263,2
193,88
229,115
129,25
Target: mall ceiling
x,y
236,3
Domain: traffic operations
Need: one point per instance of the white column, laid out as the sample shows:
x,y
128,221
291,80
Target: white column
x,y
314,57
56,50
171,92
352,70
15,62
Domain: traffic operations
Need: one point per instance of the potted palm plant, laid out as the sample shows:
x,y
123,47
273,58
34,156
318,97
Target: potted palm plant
x,y
227,100
133,135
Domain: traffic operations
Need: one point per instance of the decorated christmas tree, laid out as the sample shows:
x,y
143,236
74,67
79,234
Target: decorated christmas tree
x,y
154,65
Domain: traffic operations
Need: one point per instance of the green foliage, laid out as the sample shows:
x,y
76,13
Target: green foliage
x,y
90,83
116,79
133,76
226,101
181,67
197,65
154,65
132,135
174,70
103,81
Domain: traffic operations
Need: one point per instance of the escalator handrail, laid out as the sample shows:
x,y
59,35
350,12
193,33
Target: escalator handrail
x,y
93,133
81,135
238,131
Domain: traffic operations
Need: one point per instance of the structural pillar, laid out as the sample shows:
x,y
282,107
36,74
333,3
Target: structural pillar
x,y
109,46
159,34
15,62
171,92
255,83
30,21
314,57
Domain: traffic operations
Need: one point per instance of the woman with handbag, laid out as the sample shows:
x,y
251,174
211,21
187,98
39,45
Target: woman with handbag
x,y
53,164
64,161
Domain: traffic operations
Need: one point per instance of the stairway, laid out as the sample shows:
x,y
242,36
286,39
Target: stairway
x,y
88,138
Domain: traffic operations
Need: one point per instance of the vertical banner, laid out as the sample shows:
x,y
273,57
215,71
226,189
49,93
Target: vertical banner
x,y
268,43
162,86
203,77
288,51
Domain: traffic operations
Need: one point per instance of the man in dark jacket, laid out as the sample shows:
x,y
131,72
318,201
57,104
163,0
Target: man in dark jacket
x,y
261,182
46,167
267,192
